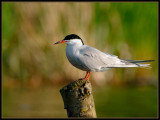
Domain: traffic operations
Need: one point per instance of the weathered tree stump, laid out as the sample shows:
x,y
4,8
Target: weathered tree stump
x,y
78,99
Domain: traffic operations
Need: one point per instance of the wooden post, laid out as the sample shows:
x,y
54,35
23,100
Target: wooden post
x,y
78,99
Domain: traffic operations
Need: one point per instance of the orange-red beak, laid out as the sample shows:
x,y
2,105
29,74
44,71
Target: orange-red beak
x,y
59,42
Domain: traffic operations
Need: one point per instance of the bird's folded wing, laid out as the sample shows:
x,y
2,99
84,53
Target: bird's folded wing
x,y
95,59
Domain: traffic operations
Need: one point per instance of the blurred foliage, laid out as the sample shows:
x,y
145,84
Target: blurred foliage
x,y
29,30
30,59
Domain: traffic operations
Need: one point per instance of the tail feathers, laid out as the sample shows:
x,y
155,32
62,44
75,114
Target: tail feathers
x,y
136,62
144,66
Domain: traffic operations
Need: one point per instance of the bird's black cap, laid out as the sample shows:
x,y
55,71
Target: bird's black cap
x,y
72,36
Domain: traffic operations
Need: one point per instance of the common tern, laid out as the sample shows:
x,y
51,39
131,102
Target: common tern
x,y
90,59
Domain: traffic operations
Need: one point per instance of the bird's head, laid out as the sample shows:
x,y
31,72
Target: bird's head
x,y
71,39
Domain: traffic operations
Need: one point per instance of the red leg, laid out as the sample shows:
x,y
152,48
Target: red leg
x,y
87,76
89,73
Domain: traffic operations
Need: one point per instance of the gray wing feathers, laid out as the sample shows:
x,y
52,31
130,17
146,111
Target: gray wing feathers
x,y
95,60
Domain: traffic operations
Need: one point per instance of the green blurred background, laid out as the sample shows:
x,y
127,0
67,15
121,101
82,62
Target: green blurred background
x,y
34,69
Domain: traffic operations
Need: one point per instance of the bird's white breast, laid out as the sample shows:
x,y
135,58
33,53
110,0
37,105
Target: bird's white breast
x,y
72,53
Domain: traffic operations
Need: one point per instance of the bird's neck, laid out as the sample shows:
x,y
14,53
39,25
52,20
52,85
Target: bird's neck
x,y
73,48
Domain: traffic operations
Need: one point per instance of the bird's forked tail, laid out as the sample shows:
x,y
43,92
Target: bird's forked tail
x,y
138,63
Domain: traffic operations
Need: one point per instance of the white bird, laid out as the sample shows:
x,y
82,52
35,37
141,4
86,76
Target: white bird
x,y
90,59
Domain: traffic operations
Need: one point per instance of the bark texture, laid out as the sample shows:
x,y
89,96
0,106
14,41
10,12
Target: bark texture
x,y
78,99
